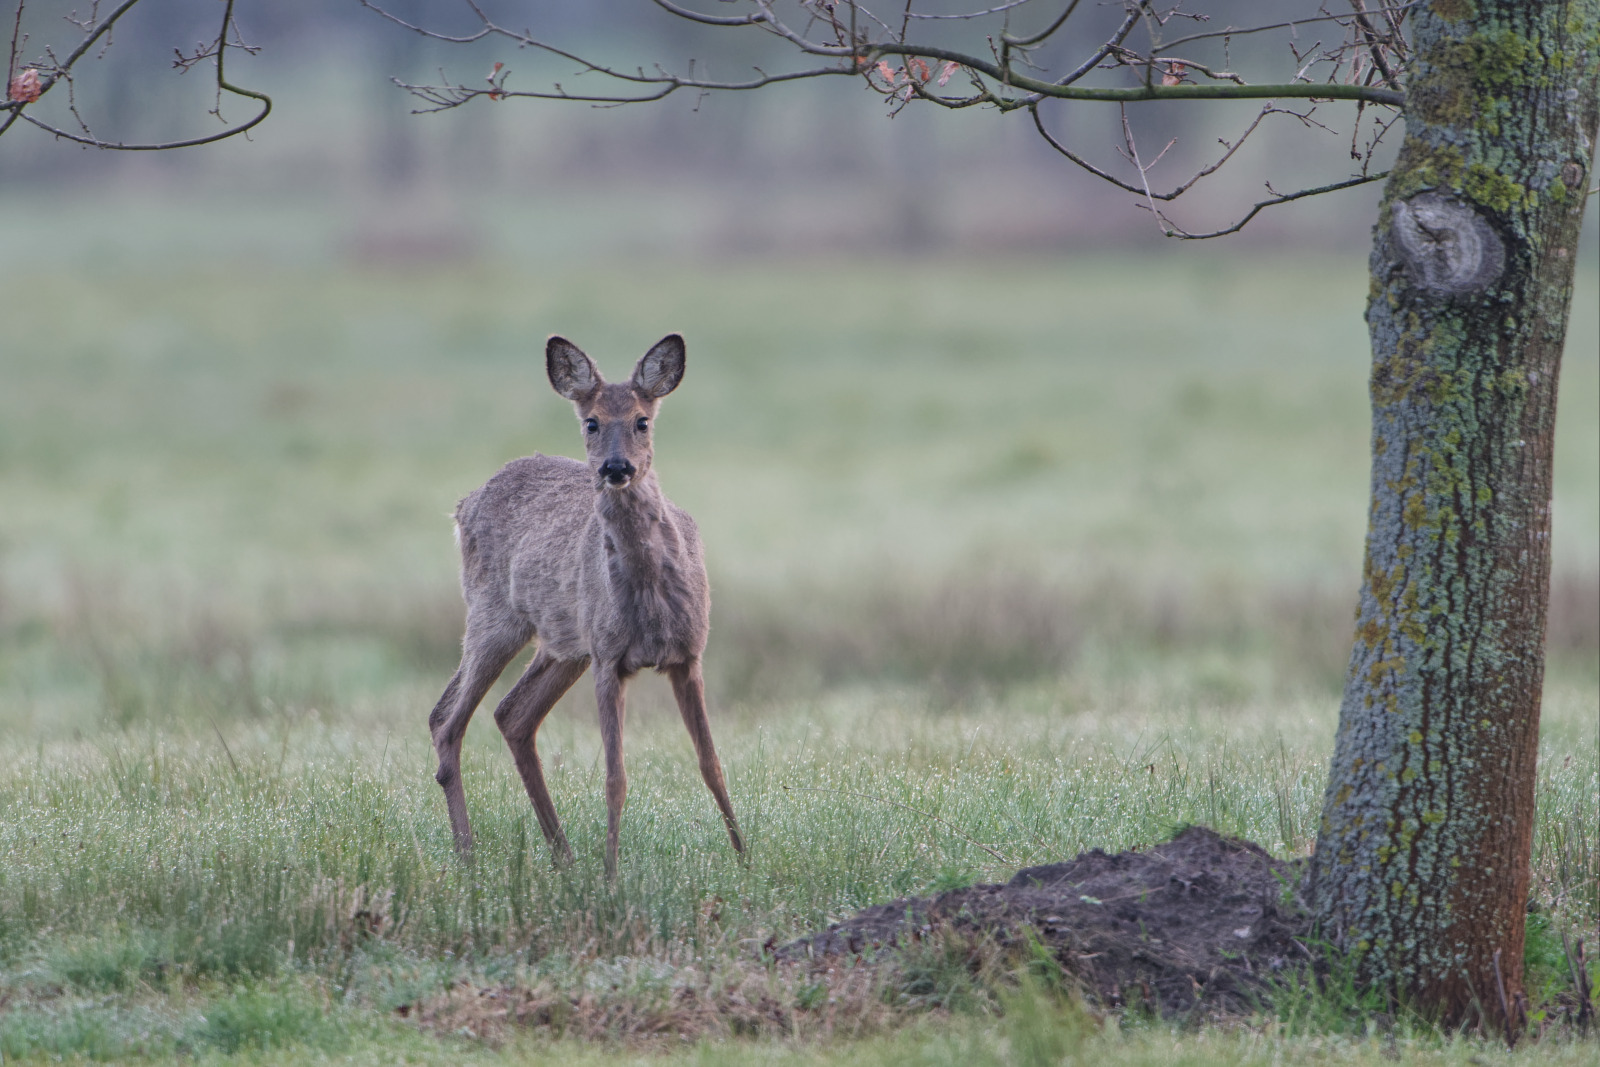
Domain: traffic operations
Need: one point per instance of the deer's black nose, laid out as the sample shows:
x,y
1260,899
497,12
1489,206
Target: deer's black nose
x,y
616,471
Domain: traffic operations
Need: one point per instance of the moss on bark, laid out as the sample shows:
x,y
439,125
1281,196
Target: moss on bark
x,y
1421,866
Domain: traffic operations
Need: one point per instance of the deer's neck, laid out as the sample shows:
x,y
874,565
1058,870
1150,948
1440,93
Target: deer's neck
x,y
641,542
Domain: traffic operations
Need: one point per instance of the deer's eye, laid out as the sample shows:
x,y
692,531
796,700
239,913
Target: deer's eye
x,y
591,425
641,424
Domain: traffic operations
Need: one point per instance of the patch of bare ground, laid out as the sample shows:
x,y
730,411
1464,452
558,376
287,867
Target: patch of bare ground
x,y
645,1004
1195,927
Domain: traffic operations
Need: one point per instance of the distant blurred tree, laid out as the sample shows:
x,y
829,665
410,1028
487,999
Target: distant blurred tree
x,y
30,81
1421,864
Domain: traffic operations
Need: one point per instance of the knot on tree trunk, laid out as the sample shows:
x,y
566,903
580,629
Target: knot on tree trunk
x,y
1446,246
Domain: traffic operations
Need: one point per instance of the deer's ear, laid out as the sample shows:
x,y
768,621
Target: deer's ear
x,y
661,369
572,374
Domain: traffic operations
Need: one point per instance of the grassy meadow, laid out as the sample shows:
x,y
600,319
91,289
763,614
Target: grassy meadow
x,y
1011,559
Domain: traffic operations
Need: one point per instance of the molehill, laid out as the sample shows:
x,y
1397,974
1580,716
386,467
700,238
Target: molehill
x,y
1198,925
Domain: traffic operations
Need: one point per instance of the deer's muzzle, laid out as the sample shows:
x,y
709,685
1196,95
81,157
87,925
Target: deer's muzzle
x,y
616,473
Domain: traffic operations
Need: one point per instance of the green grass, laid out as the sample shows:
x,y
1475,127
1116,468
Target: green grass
x,y
157,856
1010,560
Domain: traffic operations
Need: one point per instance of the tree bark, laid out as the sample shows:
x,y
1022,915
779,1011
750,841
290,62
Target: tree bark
x,y
1421,865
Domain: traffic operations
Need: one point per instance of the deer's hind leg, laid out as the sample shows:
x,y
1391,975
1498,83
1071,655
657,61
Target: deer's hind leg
x,y
690,688
486,649
518,717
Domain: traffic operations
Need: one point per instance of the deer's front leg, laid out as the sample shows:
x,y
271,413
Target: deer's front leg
x,y
690,688
609,691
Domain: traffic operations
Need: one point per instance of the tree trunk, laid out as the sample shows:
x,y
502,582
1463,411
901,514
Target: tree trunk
x,y
1421,865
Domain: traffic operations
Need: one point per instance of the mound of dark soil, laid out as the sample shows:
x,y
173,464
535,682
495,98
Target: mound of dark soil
x,y
1200,922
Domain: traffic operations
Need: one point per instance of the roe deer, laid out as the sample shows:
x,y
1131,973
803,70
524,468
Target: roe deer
x,y
599,566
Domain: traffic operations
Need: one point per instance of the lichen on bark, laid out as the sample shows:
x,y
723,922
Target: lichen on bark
x,y
1421,862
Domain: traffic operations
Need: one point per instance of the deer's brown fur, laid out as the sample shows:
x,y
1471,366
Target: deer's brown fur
x,y
596,564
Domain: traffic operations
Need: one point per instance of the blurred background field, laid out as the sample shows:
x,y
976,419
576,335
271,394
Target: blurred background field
x,y
228,485
1027,535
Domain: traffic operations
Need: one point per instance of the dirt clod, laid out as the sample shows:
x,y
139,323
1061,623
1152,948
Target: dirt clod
x,y
1200,923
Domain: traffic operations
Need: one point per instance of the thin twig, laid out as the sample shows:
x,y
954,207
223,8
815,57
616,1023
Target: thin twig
x,y
980,14
16,36
1133,155
1373,43
1104,50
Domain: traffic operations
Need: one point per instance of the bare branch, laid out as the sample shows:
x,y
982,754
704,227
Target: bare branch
x,y
1048,31
860,55
1295,90
487,30
1240,31
1275,200
1145,191
1105,50
93,33
58,71
443,98
1365,67
987,11
708,20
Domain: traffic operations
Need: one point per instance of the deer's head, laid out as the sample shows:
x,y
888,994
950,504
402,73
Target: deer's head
x,y
618,418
